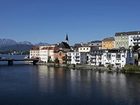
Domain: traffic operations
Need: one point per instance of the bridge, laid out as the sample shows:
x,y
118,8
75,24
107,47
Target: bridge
x,y
10,61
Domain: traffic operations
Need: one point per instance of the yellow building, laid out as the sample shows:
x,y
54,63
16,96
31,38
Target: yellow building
x,y
108,43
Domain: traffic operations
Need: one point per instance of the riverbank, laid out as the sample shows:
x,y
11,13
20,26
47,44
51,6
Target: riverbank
x,y
126,69
84,67
131,69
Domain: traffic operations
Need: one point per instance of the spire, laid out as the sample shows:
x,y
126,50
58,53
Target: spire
x,y
67,39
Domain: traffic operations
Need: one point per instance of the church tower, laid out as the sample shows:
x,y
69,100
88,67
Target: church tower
x,y
67,38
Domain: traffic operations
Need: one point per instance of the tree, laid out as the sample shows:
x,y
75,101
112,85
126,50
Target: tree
x,y
135,48
56,60
49,59
110,66
65,59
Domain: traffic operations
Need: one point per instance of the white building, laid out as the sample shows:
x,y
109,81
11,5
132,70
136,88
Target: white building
x,y
45,53
84,49
96,43
117,57
76,58
34,52
127,39
95,57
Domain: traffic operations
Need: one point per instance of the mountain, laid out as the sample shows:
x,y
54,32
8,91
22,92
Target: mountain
x,y
17,47
9,44
41,44
25,43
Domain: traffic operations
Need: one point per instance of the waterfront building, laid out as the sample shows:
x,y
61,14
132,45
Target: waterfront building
x,y
76,57
95,57
34,52
46,53
117,57
96,43
84,49
61,52
76,46
108,43
127,39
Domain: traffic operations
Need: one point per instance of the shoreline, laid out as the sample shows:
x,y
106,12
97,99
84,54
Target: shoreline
x,y
82,67
91,67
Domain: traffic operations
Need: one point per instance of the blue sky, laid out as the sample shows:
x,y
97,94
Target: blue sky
x,y
83,20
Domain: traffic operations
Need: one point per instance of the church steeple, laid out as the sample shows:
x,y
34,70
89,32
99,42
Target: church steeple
x,y
67,39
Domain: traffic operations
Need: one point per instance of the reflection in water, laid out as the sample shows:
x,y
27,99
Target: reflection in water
x,y
111,84
46,78
86,83
42,85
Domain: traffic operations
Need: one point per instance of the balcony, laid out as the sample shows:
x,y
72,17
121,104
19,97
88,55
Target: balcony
x,y
136,38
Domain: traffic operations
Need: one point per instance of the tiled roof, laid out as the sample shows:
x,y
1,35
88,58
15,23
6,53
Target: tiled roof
x,y
109,39
64,45
35,48
128,33
96,41
49,48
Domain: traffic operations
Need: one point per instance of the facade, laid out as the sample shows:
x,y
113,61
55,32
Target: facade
x,y
117,57
76,57
60,55
34,52
127,39
45,53
61,52
96,43
84,49
134,39
108,43
95,57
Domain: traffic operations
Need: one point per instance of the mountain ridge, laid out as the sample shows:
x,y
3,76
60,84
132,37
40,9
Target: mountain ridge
x,y
9,44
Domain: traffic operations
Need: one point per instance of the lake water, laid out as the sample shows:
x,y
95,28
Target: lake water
x,y
42,85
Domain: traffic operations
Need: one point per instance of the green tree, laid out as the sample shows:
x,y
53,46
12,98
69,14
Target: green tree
x,y
110,66
49,59
65,59
56,61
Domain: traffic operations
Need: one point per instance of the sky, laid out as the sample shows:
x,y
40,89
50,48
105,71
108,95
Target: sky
x,y
83,20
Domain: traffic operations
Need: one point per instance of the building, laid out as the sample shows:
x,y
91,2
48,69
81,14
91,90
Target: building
x,y
108,43
95,57
76,57
96,43
34,52
46,53
84,49
117,57
127,39
61,52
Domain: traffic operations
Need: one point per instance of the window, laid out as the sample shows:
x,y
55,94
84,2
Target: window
x,y
123,55
109,56
118,56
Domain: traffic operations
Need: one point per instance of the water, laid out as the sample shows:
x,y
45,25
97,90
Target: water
x,y
42,85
